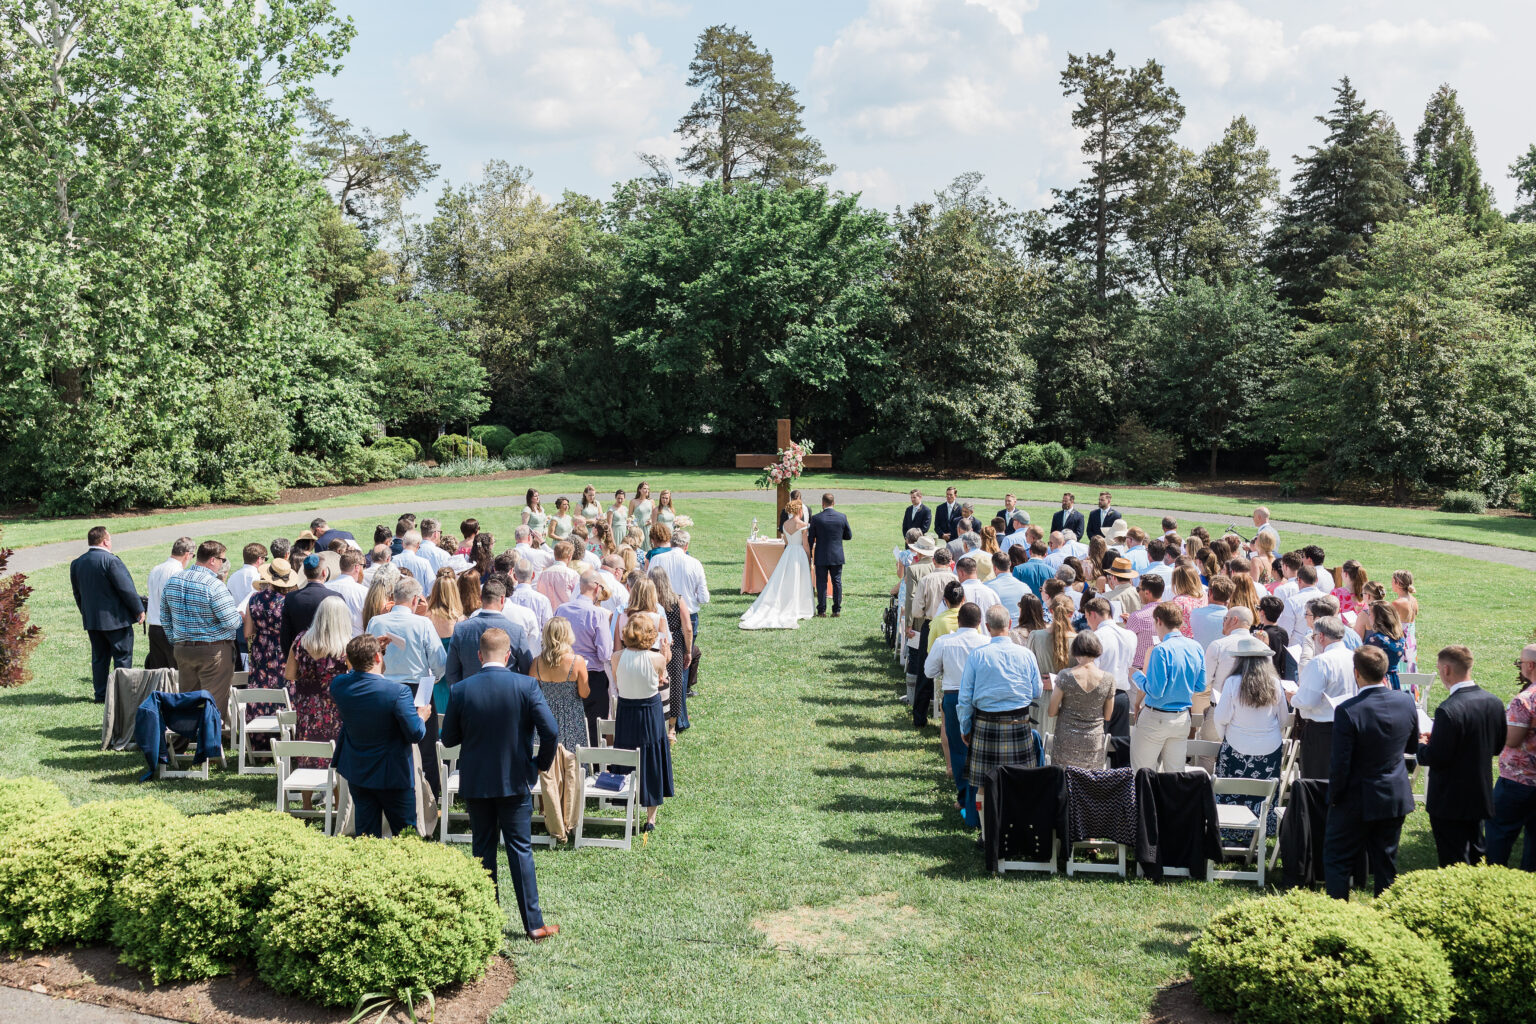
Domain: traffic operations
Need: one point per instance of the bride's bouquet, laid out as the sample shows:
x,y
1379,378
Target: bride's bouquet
x,y
682,523
789,467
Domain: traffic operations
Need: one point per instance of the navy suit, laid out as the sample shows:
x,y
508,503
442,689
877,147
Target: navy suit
x,y
944,521
299,609
1369,793
828,529
379,725
1068,519
1468,734
323,542
464,646
492,717
109,606
1099,520
919,516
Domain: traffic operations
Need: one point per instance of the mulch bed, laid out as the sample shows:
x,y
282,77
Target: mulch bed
x,y
93,975
1176,1004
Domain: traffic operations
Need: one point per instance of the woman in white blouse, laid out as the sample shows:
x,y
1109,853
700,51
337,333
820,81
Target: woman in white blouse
x,y
1250,719
640,673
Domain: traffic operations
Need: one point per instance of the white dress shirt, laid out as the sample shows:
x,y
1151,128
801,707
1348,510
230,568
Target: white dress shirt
x,y
1330,674
539,558
946,657
1164,570
1119,646
982,596
353,593
241,582
1294,619
1286,590
158,577
434,555
1221,663
686,575
1324,580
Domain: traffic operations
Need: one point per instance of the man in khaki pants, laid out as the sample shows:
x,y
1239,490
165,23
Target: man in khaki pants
x,y
1175,674
200,619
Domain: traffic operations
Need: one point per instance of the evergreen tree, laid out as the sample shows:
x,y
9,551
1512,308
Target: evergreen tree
x,y
1523,171
1341,191
1445,173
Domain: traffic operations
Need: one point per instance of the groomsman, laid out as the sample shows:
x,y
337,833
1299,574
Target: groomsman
x,y
1068,518
109,606
1101,518
1468,734
917,516
947,516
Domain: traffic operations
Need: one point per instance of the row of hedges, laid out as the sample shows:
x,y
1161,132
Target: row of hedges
x,y
328,919
1439,945
499,440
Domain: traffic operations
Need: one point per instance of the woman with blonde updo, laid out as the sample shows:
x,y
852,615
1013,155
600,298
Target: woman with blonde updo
x,y
641,675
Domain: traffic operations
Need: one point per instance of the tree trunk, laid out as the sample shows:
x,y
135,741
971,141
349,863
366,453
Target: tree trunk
x,y
1101,225
1213,462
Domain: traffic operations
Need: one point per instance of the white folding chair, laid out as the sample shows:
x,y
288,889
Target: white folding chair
x,y
1090,867
1194,750
628,794
287,724
318,783
537,817
261,725
605,728
448,775
1424,680
1415,770
1242,817
173,770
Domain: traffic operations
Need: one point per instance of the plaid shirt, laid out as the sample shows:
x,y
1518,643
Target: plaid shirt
x,y
196,607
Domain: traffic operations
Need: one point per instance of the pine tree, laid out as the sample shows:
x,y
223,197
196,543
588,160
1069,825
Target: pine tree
x,y
1445,173
1341,191
1523,171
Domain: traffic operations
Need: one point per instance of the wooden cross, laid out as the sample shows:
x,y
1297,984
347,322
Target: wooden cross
x,y
750,461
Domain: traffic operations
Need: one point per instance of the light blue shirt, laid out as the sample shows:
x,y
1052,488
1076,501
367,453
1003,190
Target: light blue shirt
x,y
420,660
1010,591
434,555
999,676
1034,573
1205,623
1017,537
419,567
1175,673
1138,557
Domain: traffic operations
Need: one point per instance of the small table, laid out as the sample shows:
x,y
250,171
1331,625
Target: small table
x,y
762,558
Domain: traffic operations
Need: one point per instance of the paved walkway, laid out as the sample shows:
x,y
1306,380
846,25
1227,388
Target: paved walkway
x,y
21,1005
45,555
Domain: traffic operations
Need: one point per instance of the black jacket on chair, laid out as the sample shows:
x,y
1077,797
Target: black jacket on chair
x,y
104,591
1176,823
916,516
1371,733
1468,735
829,528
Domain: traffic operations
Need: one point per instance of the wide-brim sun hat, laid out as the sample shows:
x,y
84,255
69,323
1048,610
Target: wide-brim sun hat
x,y
923,545
1118,531
278,575
1250,646
1122,568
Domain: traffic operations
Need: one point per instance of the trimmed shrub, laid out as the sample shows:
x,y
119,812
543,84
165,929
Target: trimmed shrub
x,y
1147,454
577,447
189,496
19,636
57,873
1524,497
27,799
305,470
494,436
1464,501
249,486
1096,462
408,448
539,444
456,446
1484,918
861,453
690,450
378,916
1031,461
358,465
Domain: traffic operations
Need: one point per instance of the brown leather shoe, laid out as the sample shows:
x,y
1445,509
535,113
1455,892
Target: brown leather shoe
x,y
836,614
540,934
821,615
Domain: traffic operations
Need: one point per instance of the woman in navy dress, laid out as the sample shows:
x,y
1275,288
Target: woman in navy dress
x,y
641,675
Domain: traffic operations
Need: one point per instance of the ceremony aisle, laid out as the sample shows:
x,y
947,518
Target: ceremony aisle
x,y
810,867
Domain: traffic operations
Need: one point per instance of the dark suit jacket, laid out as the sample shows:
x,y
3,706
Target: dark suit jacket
x,y
1066,519
1004,515
299,609
104,591
492,716
941,520
1468,735
919,516
1371,733
829,528
379,725
1099,520
464,646
324,540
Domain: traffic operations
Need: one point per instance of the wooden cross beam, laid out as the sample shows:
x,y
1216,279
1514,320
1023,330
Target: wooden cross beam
x,y
753,461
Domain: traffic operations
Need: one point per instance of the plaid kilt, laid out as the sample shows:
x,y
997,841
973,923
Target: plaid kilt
x,y
996,742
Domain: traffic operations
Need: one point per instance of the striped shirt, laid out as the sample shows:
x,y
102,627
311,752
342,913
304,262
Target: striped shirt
x,y
196,608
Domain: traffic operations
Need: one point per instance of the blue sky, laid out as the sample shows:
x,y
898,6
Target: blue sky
x,y
906,94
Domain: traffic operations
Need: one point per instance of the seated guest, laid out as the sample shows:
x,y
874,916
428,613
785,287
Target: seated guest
x,y
379,726
1369,793
1082,701
1000,682
492,717
640,674
1037,570
1514,795
1175,673
1468,733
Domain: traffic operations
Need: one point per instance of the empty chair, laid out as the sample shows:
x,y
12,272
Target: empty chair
x,y
260,725
1240,817
628,794
319,784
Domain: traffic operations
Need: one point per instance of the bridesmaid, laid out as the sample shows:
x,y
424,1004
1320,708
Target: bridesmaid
x,y
562,523
666,515
618,516
534,516
640,507
591,508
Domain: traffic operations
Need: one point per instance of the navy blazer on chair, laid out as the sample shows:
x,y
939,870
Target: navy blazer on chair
x,y
1371,733
464,646
492,717
379,726
104,591
829,528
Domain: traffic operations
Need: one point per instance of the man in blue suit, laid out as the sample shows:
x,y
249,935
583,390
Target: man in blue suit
x,y
379,725
492,717
828,528
1369,793
109,606
464,645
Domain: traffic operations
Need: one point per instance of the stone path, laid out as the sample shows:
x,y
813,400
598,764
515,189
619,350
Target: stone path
x,y
20,1005
45,555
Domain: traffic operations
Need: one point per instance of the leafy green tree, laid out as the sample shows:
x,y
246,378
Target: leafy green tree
x,y
1445,173
1523,171
745,124
370,177
1341,192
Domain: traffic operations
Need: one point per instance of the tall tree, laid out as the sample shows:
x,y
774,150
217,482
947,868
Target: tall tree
x,y
1341,191
1445,173
370,177
1523,170
1128,117
745,124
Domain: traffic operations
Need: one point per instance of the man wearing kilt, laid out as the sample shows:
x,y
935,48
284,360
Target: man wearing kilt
x,y
1001,680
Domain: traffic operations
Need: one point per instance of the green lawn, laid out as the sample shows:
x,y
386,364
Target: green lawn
x,y
1502,531
810,868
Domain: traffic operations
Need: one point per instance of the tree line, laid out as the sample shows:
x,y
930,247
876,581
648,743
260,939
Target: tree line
x,y
208,282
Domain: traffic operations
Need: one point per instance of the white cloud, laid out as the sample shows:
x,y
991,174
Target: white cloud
x,y
1010,13
1222,38
877,186
1419,34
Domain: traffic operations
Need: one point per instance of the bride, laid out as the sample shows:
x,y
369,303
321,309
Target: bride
x,y
786,597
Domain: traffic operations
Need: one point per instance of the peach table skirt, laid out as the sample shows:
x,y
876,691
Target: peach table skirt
x,y
762,557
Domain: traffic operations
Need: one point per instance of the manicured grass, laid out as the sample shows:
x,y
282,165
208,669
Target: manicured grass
x,y
811,867
1503,531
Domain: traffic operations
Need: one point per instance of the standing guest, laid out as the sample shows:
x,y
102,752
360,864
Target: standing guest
x,y
687,575
381,590
1249,719
409,559
161,655
1207,619
299,606
591,509
1313,556
661,540
639,674
1031,619
1385,631
280,547
1118,646
1000,682
939,627
1010,509
109,606
558,582
1122,595
1330,674
379,558
1165,692
1008,587
618,515
1101,518
1160,564
482,554
303,546
414,656
1082,701
469,529
1190,597
348,585
1407,607
917,516
1244,593
1052,646
1468,733
469,590
262,624
681,631
1369,793
1514,795
324,534
538,557
912,610
640,507
525,596
243,580
593,633
444,612
1351,589
1036,571
945,665
200,619
1221,658
1269,630
1263,558
1140,622
1069,518
319,655
431,537
373,747
533,515
1292,619
975,590
1136,551
562,676
462,656
947,516
1264,528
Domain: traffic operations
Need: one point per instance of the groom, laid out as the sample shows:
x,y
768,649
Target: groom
x,y
829,528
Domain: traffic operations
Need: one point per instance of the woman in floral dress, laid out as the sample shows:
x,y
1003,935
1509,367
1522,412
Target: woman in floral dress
x,y
263,636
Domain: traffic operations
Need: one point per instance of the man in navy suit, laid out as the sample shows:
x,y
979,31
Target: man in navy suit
x,y
109,606
1468,734
492,717
829,528
324,534
464,646
947,514
1369,793
1069,518
917,516
379,725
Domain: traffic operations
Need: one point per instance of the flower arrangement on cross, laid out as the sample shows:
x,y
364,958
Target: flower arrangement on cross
x,y
790,464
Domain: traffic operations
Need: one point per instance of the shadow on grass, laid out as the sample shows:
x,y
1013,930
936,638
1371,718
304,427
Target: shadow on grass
x,y
27,697
956,852
861,803
876,744
1176,944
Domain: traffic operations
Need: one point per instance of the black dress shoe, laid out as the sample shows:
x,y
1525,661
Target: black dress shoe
x,y
649,826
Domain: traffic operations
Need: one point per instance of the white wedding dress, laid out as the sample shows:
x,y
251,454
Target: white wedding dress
x,y
788,596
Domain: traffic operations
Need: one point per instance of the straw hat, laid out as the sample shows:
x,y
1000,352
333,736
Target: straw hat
x,y
1118,530
923,545
278,575
1122,568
